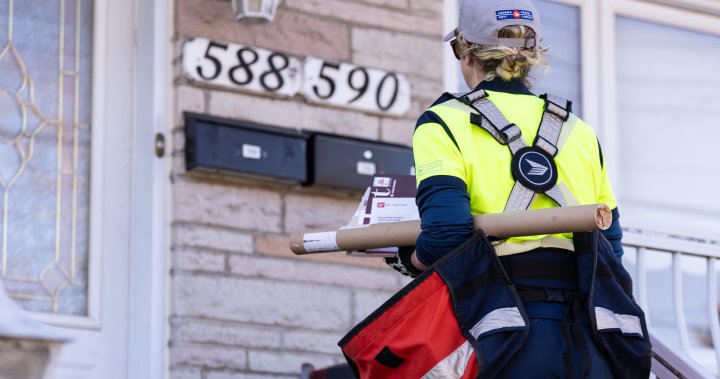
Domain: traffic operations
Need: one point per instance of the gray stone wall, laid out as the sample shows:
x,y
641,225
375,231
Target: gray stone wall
x,y
243,306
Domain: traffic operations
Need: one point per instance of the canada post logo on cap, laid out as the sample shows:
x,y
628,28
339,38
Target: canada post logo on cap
x,y
514,14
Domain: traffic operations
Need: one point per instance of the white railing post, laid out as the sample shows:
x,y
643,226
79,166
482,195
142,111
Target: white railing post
x,y
713,308
680,301
669,362
641,276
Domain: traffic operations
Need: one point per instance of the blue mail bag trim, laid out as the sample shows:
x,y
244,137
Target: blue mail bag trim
x,y
488,310
618,323
482,295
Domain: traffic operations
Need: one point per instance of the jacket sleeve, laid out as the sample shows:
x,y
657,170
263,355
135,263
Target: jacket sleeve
x,y
445,217
442,198
614,234
605,195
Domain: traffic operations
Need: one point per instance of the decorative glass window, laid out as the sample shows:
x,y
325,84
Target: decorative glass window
x,y
45,66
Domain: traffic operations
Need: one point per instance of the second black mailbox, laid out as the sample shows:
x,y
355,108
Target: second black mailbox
x,y
351,163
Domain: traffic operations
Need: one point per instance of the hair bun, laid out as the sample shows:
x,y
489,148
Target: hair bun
x,y
508,63
514,66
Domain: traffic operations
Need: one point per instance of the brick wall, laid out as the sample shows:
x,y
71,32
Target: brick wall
x,y
243,306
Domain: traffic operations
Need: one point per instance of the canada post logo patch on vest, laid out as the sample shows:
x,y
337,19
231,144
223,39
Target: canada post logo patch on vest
x,y
535,169
514,14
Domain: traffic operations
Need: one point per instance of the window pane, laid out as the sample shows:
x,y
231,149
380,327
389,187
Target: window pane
x,y
668,117
561,33
45,153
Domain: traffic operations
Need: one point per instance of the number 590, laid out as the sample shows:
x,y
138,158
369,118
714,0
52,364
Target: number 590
x,y
353,86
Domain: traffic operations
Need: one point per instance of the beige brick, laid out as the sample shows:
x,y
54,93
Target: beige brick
x,y
419,106
198,261
429,7
397,130
231,334
293,115
224,205
400,4
370,15
208,356
188,99
316,342
284,362
424,88
399,52
278,246
176,49
403,281
21,357
177,67
367,302
273,245
185,373
178,162
303,212
178,141
242,375
297,270
215,238
262,302
291,32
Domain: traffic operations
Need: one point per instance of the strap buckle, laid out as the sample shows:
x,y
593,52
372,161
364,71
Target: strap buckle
x,y
557,296
510,133
552,105
473,97
543,294
546,145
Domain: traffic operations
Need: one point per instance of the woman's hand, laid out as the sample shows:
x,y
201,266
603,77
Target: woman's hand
x,y
403,264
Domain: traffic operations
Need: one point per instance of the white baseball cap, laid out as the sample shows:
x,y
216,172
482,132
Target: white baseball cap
x,y
481,20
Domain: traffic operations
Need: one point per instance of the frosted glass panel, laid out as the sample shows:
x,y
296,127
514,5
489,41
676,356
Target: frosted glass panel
x,y
45,153
561,33
669,126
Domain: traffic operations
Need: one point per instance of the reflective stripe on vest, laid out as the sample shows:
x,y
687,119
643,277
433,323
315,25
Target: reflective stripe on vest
x,y
485,114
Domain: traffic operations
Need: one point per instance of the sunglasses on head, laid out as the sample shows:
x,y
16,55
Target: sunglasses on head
x,y
455,45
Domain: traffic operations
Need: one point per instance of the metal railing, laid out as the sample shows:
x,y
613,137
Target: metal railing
x,y
669,362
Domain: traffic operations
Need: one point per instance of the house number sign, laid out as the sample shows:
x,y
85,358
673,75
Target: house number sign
x,y
265,71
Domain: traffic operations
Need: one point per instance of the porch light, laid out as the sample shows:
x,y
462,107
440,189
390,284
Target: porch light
x,y
254,10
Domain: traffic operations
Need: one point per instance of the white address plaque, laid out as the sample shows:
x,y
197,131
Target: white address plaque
x,y
237,66
352,86
270,72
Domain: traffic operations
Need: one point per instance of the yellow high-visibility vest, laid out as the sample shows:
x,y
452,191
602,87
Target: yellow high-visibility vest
x,y
470,153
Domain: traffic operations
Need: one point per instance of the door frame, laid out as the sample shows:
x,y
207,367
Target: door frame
x,y
151,193
129,231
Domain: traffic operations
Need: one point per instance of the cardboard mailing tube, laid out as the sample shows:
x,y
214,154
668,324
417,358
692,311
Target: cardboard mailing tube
x,y
581,218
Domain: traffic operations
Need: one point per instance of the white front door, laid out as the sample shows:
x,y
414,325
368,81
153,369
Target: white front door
x,y
83,92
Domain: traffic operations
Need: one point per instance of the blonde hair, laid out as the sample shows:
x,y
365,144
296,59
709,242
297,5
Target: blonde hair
x,y
508,63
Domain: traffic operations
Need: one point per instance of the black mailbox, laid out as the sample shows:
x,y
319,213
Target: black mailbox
x,y
351,163
213,143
